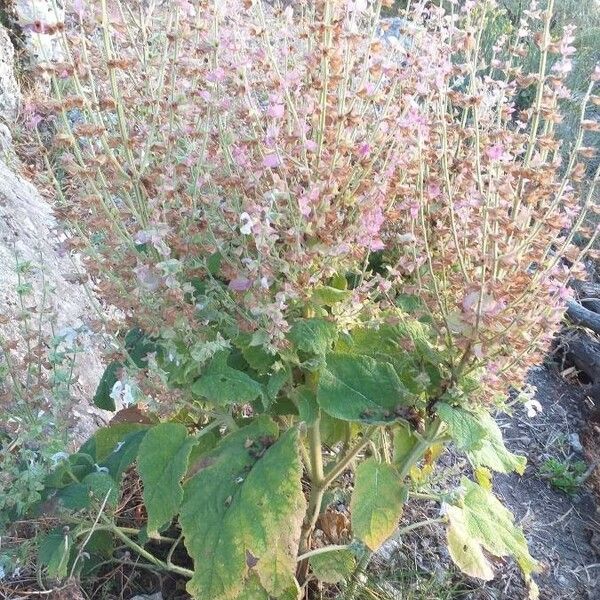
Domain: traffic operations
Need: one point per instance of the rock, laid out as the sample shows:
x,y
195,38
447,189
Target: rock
x,y
575,442
38,20
27,228
10,94
157,596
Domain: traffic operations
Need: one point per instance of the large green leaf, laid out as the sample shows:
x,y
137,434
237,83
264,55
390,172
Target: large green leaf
x,y
124,454
242,513
482,521
313,336
162,462
377,502
493,453
222,384
464,427
109,438
360,388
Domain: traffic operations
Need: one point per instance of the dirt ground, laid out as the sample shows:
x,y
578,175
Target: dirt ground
x,y
563,531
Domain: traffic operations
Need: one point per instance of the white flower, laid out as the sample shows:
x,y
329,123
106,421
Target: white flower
x,y
533,407
58,458
246,224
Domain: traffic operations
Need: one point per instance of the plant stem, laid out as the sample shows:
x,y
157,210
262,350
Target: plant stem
x,y
418,524
144,553
324,550
358,577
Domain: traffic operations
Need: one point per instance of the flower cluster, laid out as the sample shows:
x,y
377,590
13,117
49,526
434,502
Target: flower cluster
x,y
220,162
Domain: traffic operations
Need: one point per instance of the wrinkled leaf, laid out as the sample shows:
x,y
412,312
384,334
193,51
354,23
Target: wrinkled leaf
x,y
162,462
242,511
313,336
484,521
223,385
464,428
334,566
355,388
493,453
377,501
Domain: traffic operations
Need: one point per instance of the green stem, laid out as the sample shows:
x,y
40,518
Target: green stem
x,y
324,550
144,553
358,577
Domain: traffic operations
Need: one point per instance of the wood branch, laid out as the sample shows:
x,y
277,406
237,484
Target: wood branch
x,y
586,289
592,304
584,353
582,316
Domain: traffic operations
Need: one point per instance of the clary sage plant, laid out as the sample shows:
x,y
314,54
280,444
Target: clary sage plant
x,y
331,243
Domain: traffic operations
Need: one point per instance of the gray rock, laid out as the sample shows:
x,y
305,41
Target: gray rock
x,y
37,18
27,227
10,94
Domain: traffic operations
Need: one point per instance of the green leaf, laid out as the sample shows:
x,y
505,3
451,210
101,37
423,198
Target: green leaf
x,y
464,427
102,397
334,566
356,388
313,336
377,502
243,511
493,453
138,346
224,385
162,462
102,486
255,355
252,590
409,302
54,552
404,442
275,384
120,459
306,401
328,296
484,522
108,438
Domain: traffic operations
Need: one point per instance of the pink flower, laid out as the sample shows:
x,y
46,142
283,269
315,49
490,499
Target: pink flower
x,y
272,161
310,145
364,150
495,152
276,111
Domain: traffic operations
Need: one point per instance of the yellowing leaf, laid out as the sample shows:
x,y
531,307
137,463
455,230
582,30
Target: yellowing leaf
x,y
482,522
465,551
377,502
162,462
493,453
333,566
483,477
242,513
404,441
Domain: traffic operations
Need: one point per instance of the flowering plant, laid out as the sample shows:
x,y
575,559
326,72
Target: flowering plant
x,y
330,235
